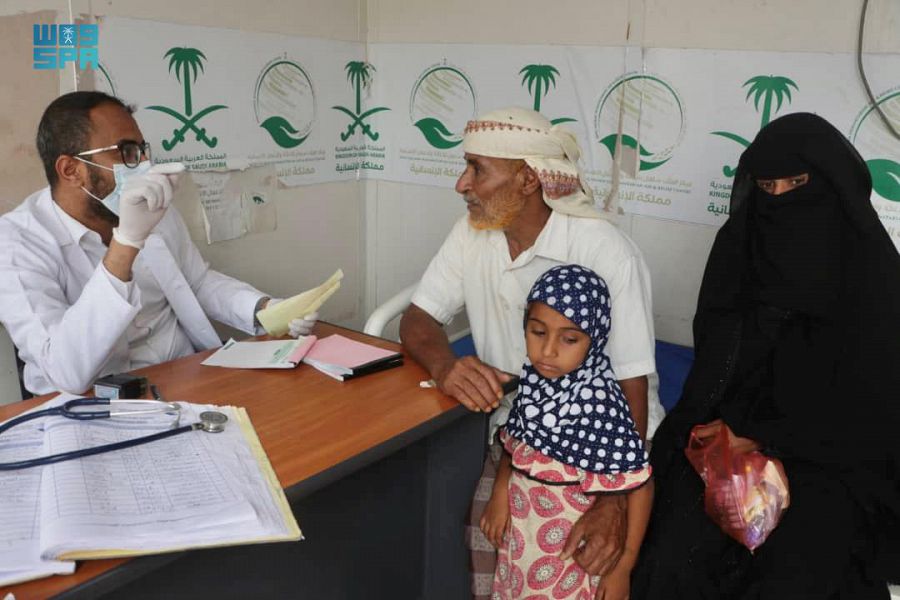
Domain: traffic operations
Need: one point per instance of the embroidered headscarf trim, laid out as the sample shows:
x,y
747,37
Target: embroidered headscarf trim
x,y
550,150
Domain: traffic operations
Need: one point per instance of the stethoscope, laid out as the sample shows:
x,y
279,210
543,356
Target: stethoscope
x,y
210,421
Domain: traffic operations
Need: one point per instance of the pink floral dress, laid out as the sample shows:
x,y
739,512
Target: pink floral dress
x,y
546,498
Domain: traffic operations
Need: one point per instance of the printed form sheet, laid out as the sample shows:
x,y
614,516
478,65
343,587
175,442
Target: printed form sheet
x,y
19,511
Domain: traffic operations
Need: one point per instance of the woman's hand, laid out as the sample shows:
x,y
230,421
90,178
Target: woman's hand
x,y
495,520
705,433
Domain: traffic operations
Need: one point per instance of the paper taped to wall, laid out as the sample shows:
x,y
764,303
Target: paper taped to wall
x,y
275,319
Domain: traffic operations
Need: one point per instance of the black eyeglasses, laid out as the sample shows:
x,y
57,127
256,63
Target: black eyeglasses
x,y
131,152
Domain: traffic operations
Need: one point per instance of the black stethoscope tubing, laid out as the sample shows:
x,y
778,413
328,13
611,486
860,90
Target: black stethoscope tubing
x,y
64,410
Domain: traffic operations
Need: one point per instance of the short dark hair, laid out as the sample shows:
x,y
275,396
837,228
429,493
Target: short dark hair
x,y
66,125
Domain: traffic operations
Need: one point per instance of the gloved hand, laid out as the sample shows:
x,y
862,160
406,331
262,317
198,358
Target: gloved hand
x,y
144,202
304,326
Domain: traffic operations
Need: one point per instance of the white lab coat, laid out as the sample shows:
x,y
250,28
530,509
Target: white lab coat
x,y
67,320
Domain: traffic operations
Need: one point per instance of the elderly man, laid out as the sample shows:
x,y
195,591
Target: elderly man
x,y
97,272
528,210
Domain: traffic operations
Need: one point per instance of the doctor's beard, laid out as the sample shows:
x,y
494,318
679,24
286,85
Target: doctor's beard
x,y
500,211
101,187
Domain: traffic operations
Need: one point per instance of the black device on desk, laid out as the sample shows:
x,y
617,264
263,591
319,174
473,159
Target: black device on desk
x,y
120,386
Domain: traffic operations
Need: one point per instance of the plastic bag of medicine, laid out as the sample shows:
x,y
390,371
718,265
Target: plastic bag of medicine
x,y
746,493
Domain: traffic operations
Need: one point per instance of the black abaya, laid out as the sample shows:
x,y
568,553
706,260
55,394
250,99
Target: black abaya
x,y
797,345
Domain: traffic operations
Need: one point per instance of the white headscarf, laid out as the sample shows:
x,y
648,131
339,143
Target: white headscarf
x,y
550,150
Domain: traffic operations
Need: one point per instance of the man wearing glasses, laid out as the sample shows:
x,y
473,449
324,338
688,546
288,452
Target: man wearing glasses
x,y
98,274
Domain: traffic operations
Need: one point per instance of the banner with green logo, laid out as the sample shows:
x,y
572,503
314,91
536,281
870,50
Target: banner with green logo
x,y
222,99
707,106
674,121
435,89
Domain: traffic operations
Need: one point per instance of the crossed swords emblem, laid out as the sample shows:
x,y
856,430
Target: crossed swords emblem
x,y
189,124
359,121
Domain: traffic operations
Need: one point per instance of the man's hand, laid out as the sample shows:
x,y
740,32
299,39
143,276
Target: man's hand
x,y
144,202
602,529
738,445
476,385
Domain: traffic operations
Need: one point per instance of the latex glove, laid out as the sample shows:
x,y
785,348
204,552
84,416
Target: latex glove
x,y
304,326
144,201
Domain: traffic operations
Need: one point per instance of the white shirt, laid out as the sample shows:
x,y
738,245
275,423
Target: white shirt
x,y
473,269
154,335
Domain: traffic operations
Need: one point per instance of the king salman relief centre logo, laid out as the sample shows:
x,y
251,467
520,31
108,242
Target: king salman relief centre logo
x,y
285,102
441,103
188,64
769,88
646,103
359,74
538,78
878,146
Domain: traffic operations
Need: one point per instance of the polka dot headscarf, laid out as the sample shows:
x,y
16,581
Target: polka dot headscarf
x,y
582,418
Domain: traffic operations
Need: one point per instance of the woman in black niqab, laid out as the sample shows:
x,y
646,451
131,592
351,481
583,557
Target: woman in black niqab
x,y
797,346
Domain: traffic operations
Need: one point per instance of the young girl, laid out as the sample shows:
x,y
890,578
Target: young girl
x,y
570,435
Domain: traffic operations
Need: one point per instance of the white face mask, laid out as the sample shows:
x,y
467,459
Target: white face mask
x,y
122,174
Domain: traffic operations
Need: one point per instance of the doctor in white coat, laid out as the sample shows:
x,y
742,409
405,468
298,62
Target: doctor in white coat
x,y
98,274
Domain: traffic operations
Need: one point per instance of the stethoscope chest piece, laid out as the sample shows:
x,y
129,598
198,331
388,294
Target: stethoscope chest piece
x,y
212,421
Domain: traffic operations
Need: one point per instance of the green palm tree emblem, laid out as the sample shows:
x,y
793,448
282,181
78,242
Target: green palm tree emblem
x,y
188,64
767,88
539,78
359,74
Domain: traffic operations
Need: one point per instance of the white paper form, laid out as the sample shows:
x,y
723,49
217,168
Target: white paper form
x,y
274,354
19,510
149,496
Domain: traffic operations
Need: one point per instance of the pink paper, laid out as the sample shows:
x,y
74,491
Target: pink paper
x,y
344,352
302,350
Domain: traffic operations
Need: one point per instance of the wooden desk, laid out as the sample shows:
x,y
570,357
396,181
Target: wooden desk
x,y
316,431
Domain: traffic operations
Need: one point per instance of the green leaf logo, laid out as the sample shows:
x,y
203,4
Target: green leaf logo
x,y
280,129
437,134
628,141
885,178
664,118
442,101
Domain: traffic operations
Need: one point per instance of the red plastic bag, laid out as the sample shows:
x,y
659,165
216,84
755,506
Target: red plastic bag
x,y
746,493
